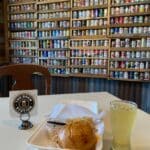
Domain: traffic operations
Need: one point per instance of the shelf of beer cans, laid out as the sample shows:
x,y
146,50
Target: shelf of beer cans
x,y
21,2
89,57
130,40
89,44
82,38
22,31
53,35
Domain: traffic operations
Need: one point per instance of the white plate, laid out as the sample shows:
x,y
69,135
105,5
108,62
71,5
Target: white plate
x,y
40,140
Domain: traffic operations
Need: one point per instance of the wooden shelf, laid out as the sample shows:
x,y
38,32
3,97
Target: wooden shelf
x,y
89,7
131,25
132,80
53,19
54,58
55,10
130,49
132,3
22,39
89,27
51,1
22,3
90,47
23,12
53,28
88,66
129,35
22,56
88,75
129,59
129,69
60,75
130,14
53,38
89,37
55,66
22,20
53,49
34,40
22,29
92,57
74,19
22,48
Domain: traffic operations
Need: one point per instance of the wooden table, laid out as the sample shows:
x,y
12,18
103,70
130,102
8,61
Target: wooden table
x,y
13,139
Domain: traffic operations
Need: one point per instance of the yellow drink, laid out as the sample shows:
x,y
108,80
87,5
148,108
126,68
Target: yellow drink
x,y
122,115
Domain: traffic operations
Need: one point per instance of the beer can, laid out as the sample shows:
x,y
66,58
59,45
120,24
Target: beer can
x,y
146,8
138,54
125,75
131,31
135,30
135,19
128,55
113,43
112,20
126,20
138,44
137,65
120,30
120,74
143,42
146,19
141,65
144,29
147,65
117,42
146,75
117,54
147,54
112,54
121,20
116,64
133,43
143,54
148,41
112,74
141,8
132,54
112,11
127,42
136,75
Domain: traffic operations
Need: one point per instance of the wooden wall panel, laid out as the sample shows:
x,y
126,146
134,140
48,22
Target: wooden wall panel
x,y
123,89
134,91
130,91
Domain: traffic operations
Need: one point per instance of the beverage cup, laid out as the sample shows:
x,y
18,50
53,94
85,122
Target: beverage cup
x,y
122,115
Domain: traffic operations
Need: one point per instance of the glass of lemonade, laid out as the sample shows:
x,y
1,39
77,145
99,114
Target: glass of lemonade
x,y
122,114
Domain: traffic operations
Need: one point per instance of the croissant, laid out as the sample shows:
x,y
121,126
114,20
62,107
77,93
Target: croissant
x,y
78,134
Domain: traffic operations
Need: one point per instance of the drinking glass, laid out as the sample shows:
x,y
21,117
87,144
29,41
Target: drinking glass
x,y
122,114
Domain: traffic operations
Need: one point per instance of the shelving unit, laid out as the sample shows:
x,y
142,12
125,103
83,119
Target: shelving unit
x,y
53,35
130,41
2,33
82,38
22,31
89,43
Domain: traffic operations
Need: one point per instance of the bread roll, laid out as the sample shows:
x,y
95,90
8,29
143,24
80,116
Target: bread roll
x,y
78,134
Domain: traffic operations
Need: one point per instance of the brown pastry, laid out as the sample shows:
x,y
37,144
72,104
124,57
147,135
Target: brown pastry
x,y
79,134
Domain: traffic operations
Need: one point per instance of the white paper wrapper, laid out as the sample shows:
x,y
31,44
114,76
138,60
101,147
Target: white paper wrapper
x,y
63,112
